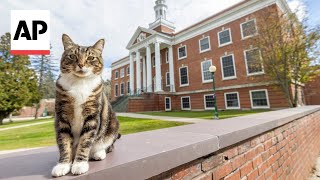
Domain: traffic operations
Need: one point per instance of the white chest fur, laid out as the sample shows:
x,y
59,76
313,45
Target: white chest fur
x,y
80,89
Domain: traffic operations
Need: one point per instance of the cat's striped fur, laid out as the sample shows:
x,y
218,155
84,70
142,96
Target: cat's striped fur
x,y
86,127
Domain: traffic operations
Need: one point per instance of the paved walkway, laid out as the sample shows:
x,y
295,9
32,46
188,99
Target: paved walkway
x,y
24,118
26,125
165,118
316,174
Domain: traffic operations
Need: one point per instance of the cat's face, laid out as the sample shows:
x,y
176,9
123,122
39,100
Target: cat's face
x,y
81,61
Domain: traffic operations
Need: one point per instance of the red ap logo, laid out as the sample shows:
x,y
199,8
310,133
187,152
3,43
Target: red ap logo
x,y
30,32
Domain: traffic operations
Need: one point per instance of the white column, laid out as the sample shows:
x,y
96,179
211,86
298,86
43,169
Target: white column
x,y
149,70
131,75
144,73
171,70
138,74
158,68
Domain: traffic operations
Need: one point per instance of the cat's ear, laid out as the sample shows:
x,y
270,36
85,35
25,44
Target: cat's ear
x,y
67,42
99,45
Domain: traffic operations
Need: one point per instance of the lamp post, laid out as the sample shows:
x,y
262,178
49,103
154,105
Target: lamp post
x,y
213,69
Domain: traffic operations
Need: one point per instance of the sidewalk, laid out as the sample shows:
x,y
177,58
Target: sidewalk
x,y
24,118
165,118
27,125
316,174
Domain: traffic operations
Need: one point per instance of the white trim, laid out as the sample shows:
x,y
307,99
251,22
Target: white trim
x,y
234,68
115,95
182,103
225,100
267,97
205,102
230,34
184,85
122,76
167,85
184,57
121,94
255,23
245,60
205,81
115,74
206,50
165,103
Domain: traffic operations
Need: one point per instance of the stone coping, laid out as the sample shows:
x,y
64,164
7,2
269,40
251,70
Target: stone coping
x,y
146,154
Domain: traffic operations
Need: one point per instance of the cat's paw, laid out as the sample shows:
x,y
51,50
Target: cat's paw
x,y
80,167
61,169
100,155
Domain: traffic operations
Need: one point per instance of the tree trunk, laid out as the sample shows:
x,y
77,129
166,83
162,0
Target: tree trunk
x,y
37,110
2,116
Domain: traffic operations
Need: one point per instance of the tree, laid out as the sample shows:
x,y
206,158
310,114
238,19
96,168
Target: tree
x,y
18,83
45,66
288,50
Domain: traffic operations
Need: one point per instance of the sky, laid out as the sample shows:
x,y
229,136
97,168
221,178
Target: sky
x,y
87,21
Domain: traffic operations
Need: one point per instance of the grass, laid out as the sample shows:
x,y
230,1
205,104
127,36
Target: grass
x,y
23,122
43,135
205,114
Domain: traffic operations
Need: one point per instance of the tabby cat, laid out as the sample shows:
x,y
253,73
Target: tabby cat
x,y
86,127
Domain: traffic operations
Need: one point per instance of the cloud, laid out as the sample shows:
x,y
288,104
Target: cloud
x,y
106,73
299,7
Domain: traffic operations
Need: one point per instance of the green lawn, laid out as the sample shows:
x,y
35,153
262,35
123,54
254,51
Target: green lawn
x,y
205,114
43,135
24,122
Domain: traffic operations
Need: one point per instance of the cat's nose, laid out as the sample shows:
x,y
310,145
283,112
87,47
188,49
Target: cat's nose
x,y
81,65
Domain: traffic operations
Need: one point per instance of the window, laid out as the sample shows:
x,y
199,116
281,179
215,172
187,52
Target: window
x,y
116,75
121,89
153,61
128,70
122,73
167,56
116,90
259,99
182,52
248,29
253,62
225,37
167,79
206,74
128,87
168,104
209,101
185,103
204,44
184,80
232,100
228,67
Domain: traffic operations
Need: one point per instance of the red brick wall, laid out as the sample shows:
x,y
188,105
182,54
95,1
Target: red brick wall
x,y
312,93
287,152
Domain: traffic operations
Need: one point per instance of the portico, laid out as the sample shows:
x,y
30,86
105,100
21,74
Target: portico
x,y
142,46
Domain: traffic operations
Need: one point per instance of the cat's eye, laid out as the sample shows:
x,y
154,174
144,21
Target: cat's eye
x,y
72,56
90,58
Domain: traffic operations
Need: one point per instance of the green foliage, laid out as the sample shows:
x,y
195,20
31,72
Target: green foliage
x,y
17,81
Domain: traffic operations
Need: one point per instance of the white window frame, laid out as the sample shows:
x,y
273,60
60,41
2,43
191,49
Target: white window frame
x,y
128,70
225,100
205,81
115,94
245,59
184,85
122,75
206,50
115,74
121,94
259,107
168,85
234,66
165,103
255,22
184,57
225,44
205,102
189,103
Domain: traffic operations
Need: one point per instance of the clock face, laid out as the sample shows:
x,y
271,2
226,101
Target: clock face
x,y
142,37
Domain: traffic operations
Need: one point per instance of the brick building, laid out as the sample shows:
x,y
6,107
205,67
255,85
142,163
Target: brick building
x,y
169,70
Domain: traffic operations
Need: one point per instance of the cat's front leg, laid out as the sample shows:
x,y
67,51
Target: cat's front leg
x,y
88,133
64,140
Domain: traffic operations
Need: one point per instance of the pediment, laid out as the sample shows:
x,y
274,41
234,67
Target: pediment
x,y
140,35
